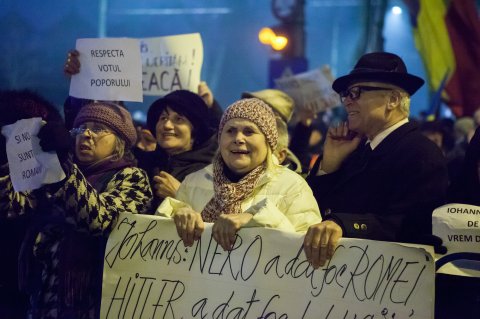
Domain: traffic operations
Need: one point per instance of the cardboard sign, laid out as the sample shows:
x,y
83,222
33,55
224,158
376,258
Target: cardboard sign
x,y
458,225
29,166
311,90
148,273
111,70
171,63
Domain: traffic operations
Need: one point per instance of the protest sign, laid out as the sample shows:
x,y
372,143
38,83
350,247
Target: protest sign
x,y
171,63
458,225
148,273
311,90
29,166
111,70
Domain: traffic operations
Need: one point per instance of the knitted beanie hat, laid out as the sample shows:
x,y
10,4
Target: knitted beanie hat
x,y
256,111
117,118
187,104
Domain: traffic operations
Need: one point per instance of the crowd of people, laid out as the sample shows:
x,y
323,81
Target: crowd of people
x,y
379,175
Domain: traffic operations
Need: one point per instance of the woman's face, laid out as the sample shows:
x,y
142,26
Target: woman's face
x,y
242,145
174,132
94,142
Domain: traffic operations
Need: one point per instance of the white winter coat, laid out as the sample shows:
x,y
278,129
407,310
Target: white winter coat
x,y
281,200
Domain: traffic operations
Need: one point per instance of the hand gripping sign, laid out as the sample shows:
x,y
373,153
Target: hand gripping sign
x,y
149,273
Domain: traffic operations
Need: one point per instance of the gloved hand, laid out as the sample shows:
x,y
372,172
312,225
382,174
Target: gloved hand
x,y
55,137
3,150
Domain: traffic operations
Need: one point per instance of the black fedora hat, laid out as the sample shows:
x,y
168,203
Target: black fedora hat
x,y
380,67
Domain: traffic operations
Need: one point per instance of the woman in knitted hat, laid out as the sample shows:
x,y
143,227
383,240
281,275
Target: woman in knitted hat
x,y
182,124
243,187
76,215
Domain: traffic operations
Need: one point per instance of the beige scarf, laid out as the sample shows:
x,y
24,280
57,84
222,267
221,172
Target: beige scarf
x,y
228,196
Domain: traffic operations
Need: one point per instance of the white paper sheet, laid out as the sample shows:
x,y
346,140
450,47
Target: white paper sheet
x,y
30,167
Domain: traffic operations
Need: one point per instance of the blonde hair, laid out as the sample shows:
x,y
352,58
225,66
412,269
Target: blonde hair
x,y
283,138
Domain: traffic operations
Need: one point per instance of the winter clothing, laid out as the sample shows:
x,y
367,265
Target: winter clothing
x,y
281,199
54,137
229,195
256,111
187,104
380,67
16,105
71,263
388,193
114,116
178,165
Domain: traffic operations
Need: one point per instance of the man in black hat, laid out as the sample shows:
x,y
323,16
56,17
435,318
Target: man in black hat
x,y
379,177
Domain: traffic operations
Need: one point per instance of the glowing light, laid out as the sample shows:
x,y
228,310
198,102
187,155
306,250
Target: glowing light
x,y
266,36
396,10
279,43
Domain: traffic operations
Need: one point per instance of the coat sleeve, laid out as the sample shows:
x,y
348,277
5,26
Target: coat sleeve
x,y
128,191
415,188
13,203
295,210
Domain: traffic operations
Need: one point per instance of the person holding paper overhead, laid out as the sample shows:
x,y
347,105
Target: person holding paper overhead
x,y
379,177
243,187
74,216
183,124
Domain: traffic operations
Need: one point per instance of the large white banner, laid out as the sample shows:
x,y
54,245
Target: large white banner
x,y
110,70
148,273
171,63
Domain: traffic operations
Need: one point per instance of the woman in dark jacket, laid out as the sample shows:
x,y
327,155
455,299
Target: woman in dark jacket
x,y
182,124
74,217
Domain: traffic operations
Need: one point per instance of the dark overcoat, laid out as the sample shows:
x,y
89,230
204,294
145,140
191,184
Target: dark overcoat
x,y
388,193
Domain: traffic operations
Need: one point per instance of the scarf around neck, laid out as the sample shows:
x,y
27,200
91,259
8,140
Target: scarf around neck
x,y
228,195
94,172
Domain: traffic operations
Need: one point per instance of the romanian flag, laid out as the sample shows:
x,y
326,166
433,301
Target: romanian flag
x,y
447,35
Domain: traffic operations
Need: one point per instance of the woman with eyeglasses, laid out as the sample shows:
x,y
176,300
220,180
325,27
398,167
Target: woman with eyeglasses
x,y
75,216
179,137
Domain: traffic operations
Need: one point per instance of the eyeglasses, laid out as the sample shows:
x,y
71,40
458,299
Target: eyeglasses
x,y
93,132
355,91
